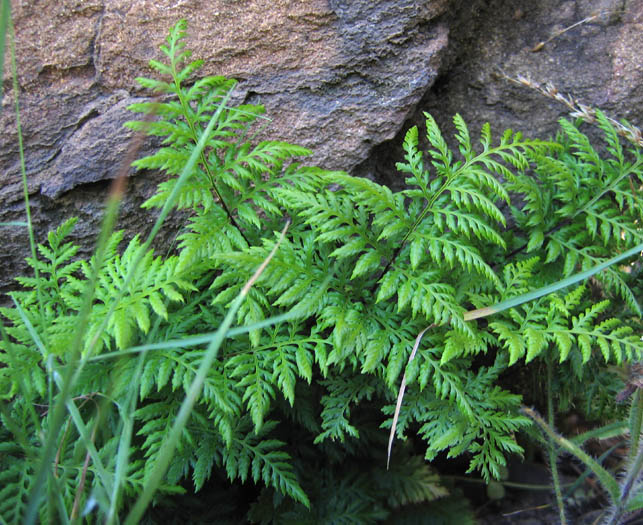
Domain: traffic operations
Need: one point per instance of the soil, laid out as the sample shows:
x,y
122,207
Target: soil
x,y
530,506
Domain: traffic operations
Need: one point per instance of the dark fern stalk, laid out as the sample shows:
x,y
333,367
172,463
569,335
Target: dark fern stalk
x,y
177,57
508,150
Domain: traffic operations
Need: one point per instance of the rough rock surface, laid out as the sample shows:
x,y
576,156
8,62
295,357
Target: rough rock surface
x,y
338,77
345,78
599,62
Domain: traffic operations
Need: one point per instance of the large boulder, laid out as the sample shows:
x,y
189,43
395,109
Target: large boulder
x,y
338,77
343,77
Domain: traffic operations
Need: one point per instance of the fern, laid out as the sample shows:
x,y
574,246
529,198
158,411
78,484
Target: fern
x,y
589,207
363,270
342,392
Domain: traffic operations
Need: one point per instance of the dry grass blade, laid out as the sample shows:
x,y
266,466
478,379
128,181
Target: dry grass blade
x,y
540,45
499,307
400,395
578,110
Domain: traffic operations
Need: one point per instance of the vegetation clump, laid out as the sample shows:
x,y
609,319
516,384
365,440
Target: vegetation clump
x,y
122,374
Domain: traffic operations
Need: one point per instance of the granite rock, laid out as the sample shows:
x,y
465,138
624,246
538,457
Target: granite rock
x,y
345,78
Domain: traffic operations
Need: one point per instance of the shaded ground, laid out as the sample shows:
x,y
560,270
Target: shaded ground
x,y
586,505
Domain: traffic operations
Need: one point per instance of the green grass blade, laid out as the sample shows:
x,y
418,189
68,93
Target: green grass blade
x,y
635,424
545,290
32,331
122,457
9,33
104,477
167,207
75,364
505,305
5,16
125,431
197,339
169,445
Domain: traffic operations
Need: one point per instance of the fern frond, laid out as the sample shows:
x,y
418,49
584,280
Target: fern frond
x,y
209,233
466,224
423,292
16,478
341,394
448,250
411,482
260,459
152,283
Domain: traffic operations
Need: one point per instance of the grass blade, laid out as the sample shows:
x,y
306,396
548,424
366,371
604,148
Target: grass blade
x,y
499,307
400,395
75,364
197,339
545,290
169,446
5,16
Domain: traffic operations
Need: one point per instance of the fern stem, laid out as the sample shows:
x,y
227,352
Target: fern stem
x,y
165,210
635,457
204,163
551,449
632,475
431,200
608,482
510,484
626,173
635,423
397,251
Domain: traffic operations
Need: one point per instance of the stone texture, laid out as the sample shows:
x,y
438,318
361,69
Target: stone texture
x,y
343,77
599,62
338,77
90,153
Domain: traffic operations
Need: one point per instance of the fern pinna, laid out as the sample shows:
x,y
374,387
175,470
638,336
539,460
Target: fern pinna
x,y
297,406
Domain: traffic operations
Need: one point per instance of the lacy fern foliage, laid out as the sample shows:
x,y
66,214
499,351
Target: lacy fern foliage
x,y
310,383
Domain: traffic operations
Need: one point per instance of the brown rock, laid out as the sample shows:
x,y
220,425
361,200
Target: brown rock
x,y
345,78
338,77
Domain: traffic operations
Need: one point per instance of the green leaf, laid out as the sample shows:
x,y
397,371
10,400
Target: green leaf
x,y
366,263
158,305
536,342
304,363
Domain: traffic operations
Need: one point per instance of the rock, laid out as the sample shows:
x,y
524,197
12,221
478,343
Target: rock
x,y
90,154
343,77
338,77
598,62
